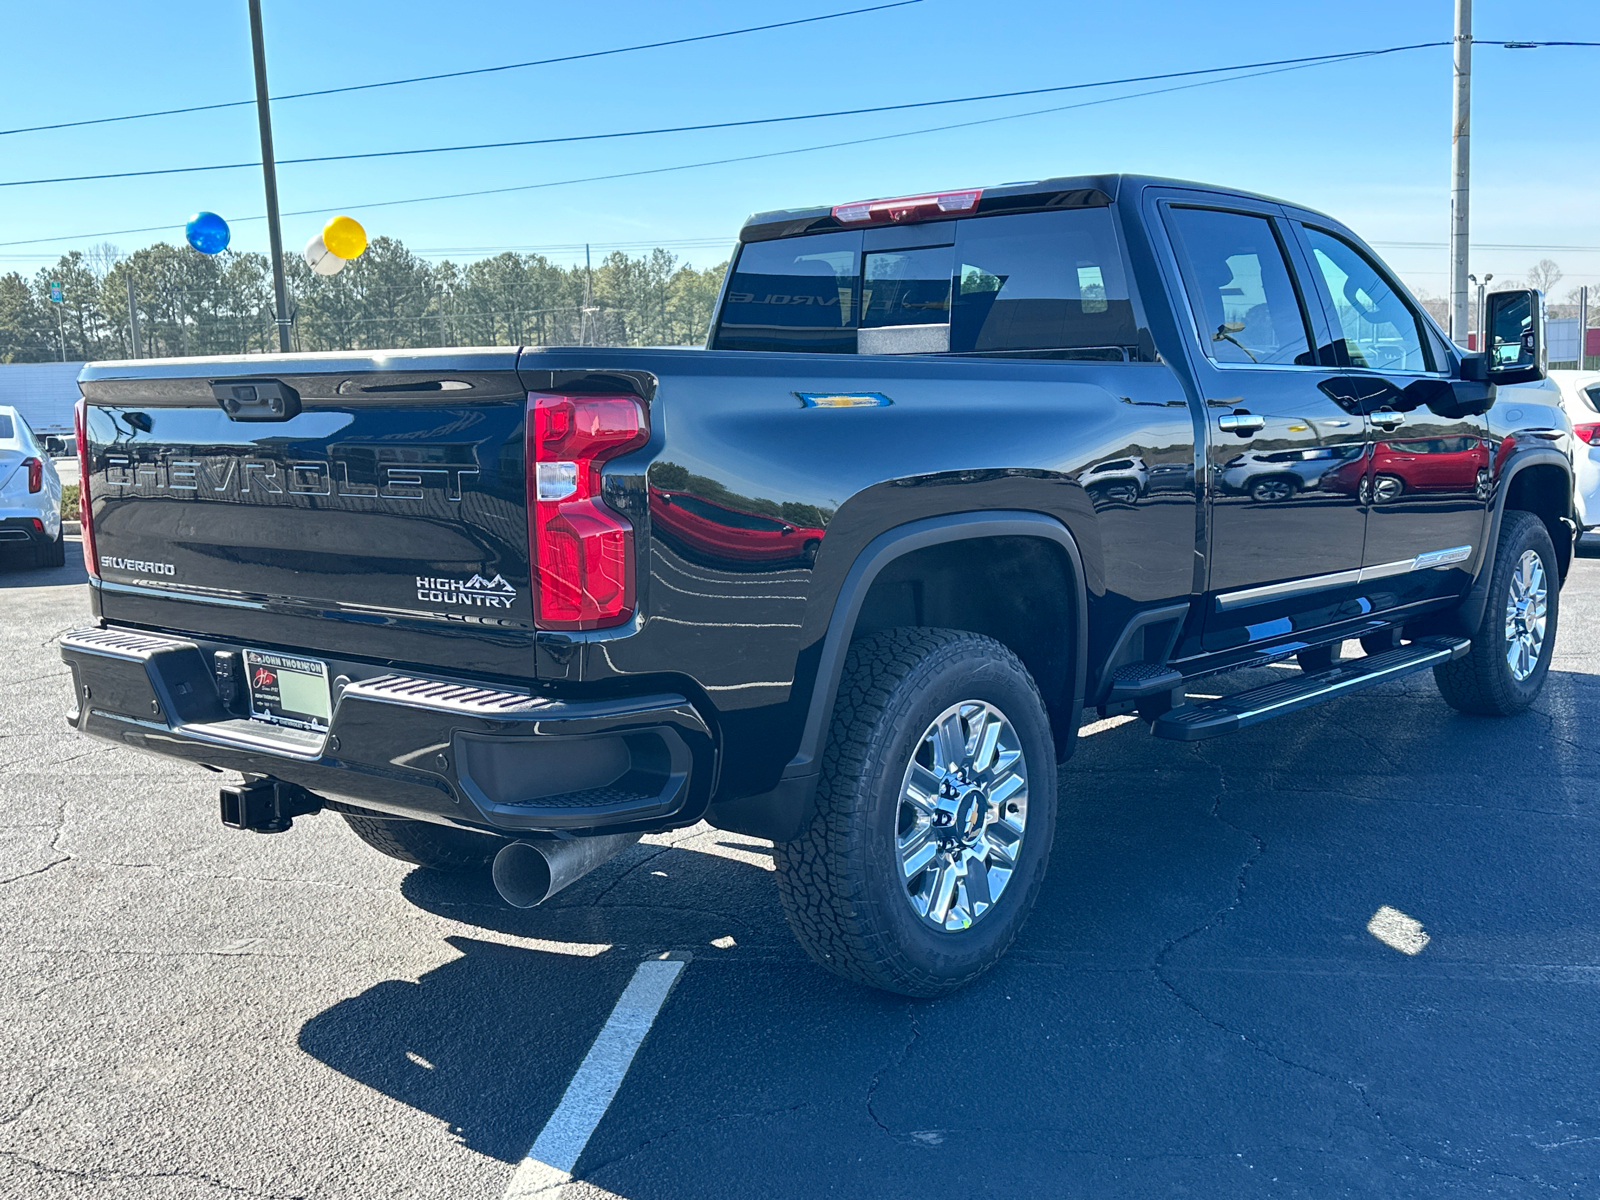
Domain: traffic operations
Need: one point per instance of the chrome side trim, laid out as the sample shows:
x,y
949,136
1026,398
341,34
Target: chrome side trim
x,y
1441,558
1246,597
1383,570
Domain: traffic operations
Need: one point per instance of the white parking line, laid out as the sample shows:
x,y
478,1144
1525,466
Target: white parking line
x,y
555,1152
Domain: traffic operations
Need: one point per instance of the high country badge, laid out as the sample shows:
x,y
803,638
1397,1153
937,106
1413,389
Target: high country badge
x,y
476,592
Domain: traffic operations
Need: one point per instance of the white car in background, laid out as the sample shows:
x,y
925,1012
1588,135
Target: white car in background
x,y
30,497
1580,396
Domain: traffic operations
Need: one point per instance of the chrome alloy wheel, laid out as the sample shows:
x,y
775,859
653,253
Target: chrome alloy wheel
x,y
1526,604
963,813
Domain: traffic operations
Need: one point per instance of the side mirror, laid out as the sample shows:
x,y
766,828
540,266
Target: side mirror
x,y
1515,343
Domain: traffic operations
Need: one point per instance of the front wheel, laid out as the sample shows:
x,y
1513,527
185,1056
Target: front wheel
x,y
935,814
1505,669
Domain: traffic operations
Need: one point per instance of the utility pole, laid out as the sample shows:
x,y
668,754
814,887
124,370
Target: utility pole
x,y
1460,172
588,294
133,313
1583,328
269,171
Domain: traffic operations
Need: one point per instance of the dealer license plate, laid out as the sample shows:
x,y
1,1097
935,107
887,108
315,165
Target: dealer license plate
x,y
287,690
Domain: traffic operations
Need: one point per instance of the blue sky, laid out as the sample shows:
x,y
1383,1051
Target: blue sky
x,y
1366,141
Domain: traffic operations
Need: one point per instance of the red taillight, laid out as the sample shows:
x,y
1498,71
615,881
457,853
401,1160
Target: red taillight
x,y
35,474
80,426
582,550
1587,432
907,208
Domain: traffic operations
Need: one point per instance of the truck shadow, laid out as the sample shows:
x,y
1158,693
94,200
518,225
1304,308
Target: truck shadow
x,y
488,1041
1173,865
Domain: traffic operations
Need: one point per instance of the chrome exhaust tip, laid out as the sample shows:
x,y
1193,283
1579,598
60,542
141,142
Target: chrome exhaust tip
x,y
527,874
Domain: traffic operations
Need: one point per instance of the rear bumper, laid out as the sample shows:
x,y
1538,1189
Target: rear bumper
x,y
29,530
410,746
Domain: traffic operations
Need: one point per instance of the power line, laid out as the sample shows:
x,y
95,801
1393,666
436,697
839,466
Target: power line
x,y
843,112
528,187
516,66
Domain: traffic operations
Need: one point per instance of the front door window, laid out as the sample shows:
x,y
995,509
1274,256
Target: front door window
x,y
1381,331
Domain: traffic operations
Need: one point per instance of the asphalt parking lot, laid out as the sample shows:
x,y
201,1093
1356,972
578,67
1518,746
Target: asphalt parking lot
x,y
1197,1008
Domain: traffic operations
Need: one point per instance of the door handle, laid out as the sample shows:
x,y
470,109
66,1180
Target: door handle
x,y
1387,419
1242,423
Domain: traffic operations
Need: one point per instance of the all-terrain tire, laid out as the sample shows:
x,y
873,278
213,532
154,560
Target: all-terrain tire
x,y
424,844
1481,681
841,881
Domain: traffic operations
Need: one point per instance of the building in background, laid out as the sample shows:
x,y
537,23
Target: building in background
x,y
43,393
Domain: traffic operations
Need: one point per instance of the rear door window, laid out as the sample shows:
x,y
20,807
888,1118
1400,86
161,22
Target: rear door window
x,y
7,429
1240,288
794,294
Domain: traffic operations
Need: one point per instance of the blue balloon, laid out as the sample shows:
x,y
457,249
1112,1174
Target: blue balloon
x,y
207,233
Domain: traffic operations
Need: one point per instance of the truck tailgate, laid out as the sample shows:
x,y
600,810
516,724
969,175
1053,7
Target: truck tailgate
x,y
387,518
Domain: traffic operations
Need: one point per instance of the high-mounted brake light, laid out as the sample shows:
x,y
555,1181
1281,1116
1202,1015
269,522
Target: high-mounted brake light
x,y
1588,432
907,208
80,426
35,474
581,549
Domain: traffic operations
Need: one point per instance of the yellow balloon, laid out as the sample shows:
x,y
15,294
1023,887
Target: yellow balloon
x,y
345,237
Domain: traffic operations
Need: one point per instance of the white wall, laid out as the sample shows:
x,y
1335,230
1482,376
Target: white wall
x,y
43,393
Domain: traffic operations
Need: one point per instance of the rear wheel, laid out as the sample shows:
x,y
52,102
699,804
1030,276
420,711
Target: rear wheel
x,y
52,554
424,844
1505,670
935,814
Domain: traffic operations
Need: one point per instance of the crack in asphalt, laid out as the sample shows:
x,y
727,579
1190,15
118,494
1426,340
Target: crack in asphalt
x,y
649,858
90,1176
1352,1086
900,1057
33,1098
49,866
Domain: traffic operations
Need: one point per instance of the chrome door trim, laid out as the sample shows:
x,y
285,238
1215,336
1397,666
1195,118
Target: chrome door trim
x,y
1247,597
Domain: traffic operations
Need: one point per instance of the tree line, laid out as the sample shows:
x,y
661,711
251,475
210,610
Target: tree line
x,y
192,303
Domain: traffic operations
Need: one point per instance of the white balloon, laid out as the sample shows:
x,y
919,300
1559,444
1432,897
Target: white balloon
x,y
322,260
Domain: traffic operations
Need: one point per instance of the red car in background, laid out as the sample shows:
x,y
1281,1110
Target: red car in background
x,y
731,533
1392,467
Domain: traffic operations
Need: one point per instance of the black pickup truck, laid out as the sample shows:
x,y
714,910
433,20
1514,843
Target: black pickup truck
x,y
952,470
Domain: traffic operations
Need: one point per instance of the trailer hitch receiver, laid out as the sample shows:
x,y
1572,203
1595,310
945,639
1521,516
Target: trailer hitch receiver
x,y
267,805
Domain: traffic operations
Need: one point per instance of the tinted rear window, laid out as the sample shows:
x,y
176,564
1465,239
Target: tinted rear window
x,y
1041,281
7,430
1035,284
794,294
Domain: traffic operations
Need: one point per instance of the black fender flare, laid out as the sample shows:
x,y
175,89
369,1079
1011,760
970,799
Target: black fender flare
x,y
781,813
1470,614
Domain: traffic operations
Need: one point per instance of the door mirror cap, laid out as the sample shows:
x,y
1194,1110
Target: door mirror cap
x,y
1514,349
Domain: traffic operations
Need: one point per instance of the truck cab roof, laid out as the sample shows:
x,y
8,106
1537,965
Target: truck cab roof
x,y
1067,191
